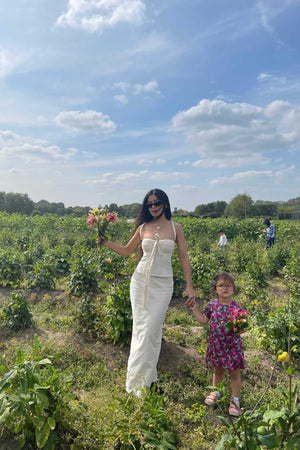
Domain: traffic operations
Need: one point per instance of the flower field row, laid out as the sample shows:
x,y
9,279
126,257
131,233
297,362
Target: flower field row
x,y
75,287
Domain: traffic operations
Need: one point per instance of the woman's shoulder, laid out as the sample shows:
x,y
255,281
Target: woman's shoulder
x,y
178,226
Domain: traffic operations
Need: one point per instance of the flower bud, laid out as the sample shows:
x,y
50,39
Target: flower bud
x,y
283,357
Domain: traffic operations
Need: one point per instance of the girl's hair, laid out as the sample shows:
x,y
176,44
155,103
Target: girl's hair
x,y
222,276
144,214
267,222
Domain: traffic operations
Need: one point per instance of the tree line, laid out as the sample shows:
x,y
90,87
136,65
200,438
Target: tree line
x,y
241,206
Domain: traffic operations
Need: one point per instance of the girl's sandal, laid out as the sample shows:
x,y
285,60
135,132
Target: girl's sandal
x,y
234,409
212,398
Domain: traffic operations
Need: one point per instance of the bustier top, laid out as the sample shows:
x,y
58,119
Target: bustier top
x,y
157,254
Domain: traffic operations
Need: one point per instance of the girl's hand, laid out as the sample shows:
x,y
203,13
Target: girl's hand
x,y
191,304
191,300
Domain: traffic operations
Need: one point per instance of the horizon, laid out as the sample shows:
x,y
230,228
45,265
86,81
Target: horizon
x,y
101,103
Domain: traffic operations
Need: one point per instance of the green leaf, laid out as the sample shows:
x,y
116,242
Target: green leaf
x,y
269,415
224,421
38,422
42,400
45,361
51,423
270,441
42,435
5,413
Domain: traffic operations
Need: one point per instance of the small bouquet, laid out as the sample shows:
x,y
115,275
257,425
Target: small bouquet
x,y
237,321
100,219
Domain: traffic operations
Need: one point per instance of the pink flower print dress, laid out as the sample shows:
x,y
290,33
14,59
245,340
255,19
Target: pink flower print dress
x,y
224,349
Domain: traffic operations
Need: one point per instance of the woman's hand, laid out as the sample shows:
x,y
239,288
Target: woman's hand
x,y
191,303
190,294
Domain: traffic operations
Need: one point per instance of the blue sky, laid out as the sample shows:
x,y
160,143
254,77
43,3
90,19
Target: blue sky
x,y
102,100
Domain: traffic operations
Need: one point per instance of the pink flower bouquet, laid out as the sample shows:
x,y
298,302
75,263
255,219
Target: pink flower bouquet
x,y
237,321
100,219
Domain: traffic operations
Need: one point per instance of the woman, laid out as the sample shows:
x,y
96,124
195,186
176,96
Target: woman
x,y
151,285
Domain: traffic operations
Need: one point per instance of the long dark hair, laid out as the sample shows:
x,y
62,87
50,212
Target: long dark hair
x,y
144,215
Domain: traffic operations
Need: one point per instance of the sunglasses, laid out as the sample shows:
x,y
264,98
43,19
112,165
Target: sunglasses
x,y
158,203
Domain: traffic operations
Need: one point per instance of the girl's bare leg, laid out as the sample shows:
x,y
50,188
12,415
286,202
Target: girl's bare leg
x,y
236,382
218,375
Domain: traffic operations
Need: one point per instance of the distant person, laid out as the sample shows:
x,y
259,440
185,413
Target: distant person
x,y
224,349
151,284
223,239
270,233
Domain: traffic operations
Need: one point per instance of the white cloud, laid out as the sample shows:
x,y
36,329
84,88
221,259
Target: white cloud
x,y
268,11
149,162
87,121
32,154
278,84
121,99
185,163
235,134
256,176
117,178
145,162
136,89
97,15
147,88
9,138
164,176
9,60
122,85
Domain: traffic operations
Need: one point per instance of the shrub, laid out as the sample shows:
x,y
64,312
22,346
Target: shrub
x,y
17,314
33,396
42,276
204,268
84,274
118,314
10,267
87,314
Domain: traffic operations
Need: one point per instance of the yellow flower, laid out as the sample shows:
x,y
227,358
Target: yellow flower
x,y
103,217
283,357
96,211
109,260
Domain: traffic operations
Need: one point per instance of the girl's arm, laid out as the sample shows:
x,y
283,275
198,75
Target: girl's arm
x,y
202,318
185,261
124,250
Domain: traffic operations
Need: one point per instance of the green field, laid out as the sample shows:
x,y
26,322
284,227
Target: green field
x,y
65,323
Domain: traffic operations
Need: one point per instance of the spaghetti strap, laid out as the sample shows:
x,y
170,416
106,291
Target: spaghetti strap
x,y
174,229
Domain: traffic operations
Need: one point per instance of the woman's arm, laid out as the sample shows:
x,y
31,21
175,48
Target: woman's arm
x,y
124,250
185,261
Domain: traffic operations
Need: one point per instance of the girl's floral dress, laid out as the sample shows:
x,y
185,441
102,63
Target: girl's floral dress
x,y
224,349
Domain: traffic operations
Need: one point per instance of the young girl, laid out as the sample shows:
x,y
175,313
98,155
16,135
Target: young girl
x,y
224,351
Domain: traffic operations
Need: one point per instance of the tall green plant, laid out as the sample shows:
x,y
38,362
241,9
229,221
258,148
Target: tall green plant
x,y
33,396
118,314
17,314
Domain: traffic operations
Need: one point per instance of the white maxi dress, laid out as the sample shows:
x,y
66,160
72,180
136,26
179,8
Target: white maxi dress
x,y
151,290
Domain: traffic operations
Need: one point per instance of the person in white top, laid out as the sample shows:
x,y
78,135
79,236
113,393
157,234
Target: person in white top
x,y
151,285
223,239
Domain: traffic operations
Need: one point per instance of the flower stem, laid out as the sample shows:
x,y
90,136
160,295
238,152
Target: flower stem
x,y
267,387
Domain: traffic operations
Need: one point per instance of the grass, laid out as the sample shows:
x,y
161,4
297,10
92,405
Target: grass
x,y
109,418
